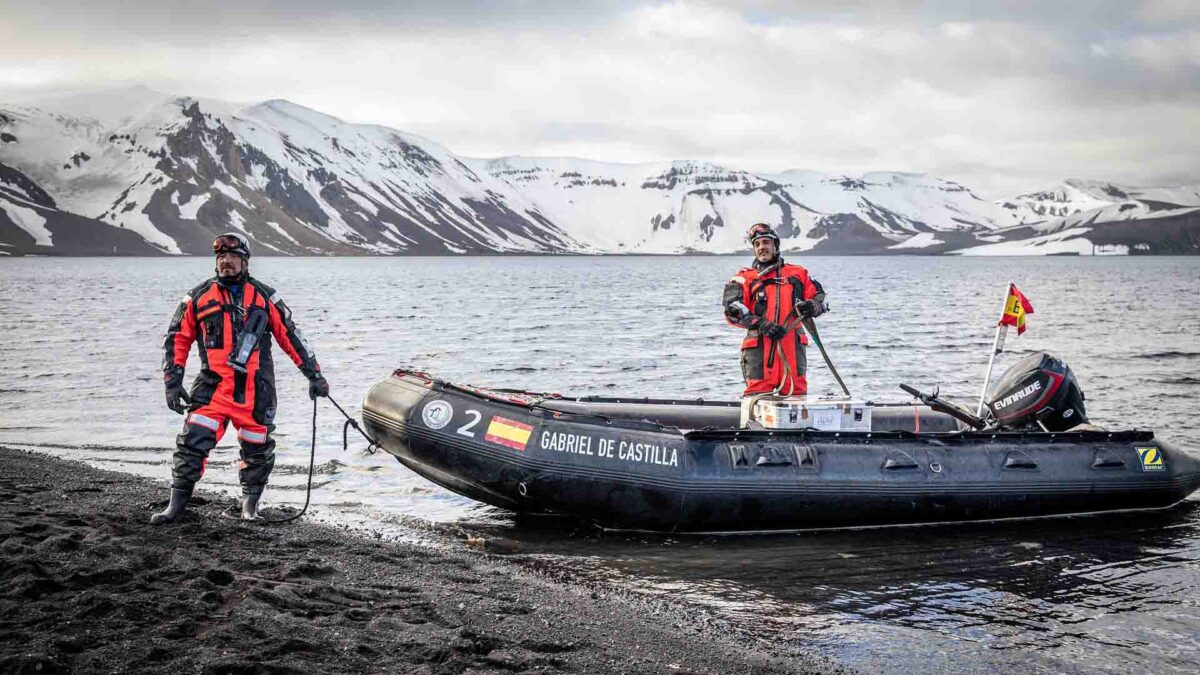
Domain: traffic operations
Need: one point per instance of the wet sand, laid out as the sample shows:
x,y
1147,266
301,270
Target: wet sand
x,y
88,585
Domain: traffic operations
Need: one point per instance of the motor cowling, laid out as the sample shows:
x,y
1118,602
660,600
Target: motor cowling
x,y
1039,388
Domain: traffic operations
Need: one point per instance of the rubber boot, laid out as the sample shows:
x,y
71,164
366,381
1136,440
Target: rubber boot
x,y
250,504
179,500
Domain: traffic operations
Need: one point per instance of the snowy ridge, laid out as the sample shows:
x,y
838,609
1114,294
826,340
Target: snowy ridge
x,y
134,171
1079,217
1063,202
295,180
686,206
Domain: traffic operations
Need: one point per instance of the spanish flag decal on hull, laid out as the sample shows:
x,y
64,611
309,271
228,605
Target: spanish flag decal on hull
x,y
509,433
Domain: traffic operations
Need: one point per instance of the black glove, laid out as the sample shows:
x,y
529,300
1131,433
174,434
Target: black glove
x,y
810,308
318,386
177,398
771,329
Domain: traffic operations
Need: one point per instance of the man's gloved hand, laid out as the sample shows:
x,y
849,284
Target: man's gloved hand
x,y
736,311
318,386
771,329
810,308
177,398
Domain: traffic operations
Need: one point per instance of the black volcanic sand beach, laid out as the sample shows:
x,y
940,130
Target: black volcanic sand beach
x,y
88,585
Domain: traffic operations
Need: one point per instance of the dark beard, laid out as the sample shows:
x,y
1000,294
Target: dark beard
x,y
234,279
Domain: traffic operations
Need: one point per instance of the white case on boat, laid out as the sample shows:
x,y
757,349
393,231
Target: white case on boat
x,y
802,413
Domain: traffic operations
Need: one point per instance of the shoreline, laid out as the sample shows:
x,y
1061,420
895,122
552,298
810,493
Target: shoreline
x,y
89,585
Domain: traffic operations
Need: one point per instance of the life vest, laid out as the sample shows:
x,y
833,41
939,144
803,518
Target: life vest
x,y
772,294
211,315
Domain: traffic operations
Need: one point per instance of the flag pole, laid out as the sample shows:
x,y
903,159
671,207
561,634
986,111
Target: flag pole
x,y
997,347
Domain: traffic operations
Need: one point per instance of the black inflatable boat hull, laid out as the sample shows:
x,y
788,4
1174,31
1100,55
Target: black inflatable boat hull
x,y
526,456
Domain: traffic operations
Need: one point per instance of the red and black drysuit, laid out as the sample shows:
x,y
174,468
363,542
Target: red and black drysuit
x,y
771,292
213,314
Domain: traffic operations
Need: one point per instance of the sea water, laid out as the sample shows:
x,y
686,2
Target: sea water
x,y
80,376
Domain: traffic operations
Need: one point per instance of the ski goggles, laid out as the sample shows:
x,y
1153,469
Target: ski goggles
x,y
228,243
759,231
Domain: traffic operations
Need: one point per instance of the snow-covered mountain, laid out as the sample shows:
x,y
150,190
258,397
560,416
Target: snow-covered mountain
x,y
295,180
1074,196
137,172
680,207
1093,217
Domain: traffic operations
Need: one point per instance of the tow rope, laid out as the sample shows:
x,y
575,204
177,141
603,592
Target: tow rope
x,y
312,456
372,446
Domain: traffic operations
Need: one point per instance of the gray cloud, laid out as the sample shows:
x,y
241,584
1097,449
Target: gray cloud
x,y
1002,96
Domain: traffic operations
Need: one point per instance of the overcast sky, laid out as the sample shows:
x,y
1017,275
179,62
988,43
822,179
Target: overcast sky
x,y
1001,96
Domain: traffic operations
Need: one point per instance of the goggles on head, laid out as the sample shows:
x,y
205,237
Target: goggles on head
x,y
760,230
231,243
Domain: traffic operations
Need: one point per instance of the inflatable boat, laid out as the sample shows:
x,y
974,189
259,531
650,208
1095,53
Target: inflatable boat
x,y
703,466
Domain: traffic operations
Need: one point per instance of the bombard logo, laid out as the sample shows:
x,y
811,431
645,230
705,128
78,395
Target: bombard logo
x,y
437,414
1152,459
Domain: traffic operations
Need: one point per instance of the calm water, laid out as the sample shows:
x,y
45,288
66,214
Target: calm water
x,y
79,377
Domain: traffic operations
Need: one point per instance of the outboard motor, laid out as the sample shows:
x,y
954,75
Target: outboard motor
x,y
1038,389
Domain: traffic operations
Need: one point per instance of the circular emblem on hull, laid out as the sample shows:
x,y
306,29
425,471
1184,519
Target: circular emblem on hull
x,y
437,414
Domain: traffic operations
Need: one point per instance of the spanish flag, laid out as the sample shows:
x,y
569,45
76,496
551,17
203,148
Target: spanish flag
x,y
509,433
1016,306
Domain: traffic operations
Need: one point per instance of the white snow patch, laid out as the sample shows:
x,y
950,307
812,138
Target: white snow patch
x,y
189,210
1168,213
15,191
368,209
136,219
387,232
282,232
1058,243
31,221
922,240
112,106
237,221
259,242
257,178
231,192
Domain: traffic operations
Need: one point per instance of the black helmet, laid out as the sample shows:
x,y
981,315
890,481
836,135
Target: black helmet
x,y
232,242
760,230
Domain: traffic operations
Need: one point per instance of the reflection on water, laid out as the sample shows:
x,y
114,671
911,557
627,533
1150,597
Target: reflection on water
x,y
1113,592
79,377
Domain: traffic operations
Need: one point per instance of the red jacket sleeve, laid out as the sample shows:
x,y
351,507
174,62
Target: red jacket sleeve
x,y
180,335
288,335
811,287
736,302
